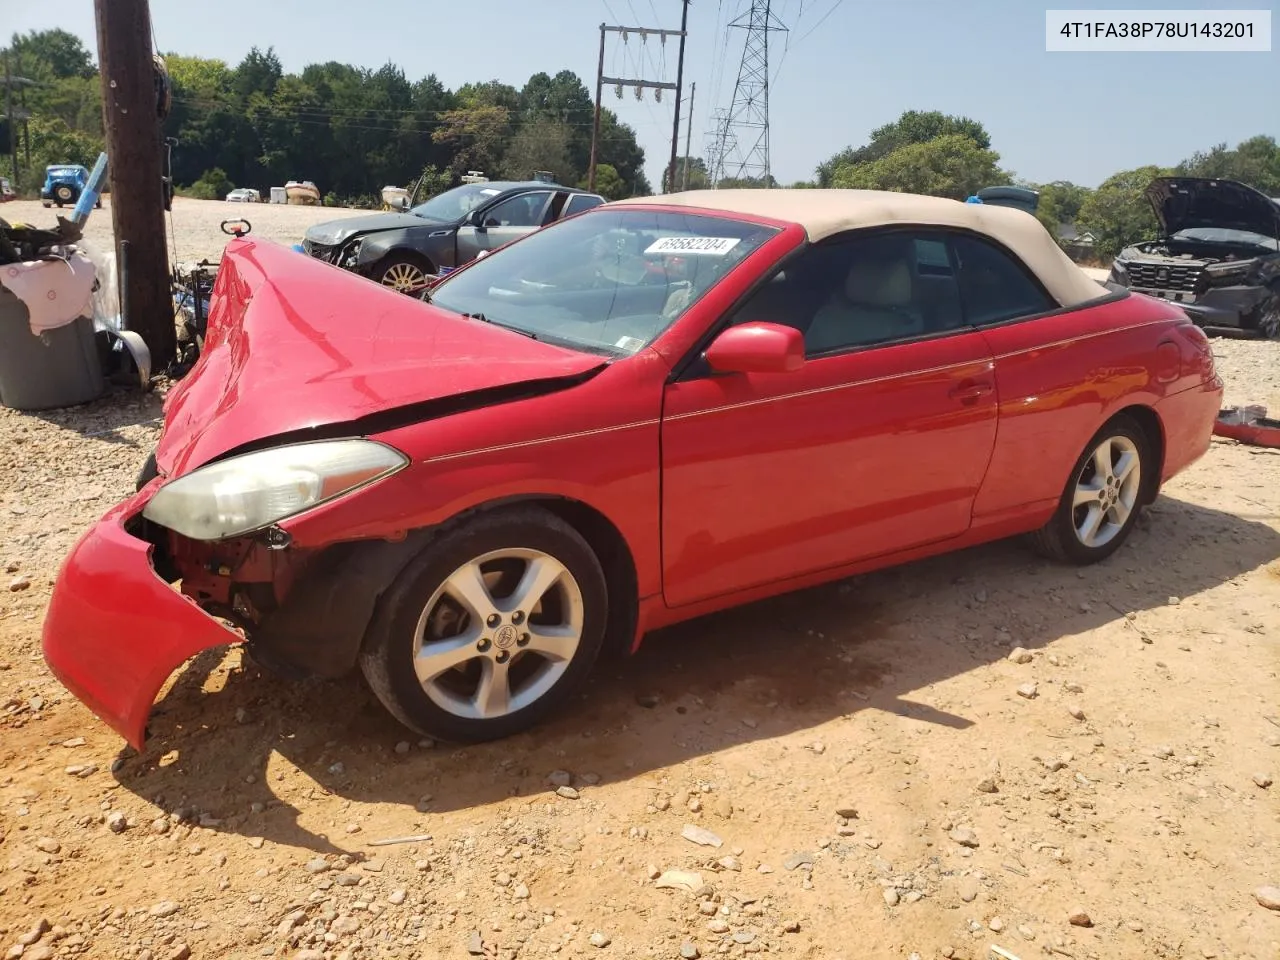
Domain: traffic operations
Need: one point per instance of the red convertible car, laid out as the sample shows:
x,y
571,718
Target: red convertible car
x,y
656,409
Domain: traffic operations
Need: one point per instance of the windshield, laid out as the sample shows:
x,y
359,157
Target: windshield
x,y
1223,235
609,281
453,205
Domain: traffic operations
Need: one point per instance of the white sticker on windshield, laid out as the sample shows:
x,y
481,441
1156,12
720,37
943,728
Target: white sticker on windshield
x,y
489,192
702,246
629,344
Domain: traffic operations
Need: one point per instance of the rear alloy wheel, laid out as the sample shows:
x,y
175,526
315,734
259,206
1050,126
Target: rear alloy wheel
x,y
1103,498
402,274
491,628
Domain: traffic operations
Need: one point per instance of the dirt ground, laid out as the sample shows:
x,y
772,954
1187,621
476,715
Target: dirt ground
x,y
193,227
876,785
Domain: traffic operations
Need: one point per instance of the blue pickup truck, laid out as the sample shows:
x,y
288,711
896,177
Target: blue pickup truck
x,y
63,184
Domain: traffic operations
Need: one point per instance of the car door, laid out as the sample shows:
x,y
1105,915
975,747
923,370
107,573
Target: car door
x,y
500,223
580,202
878,443
1051,385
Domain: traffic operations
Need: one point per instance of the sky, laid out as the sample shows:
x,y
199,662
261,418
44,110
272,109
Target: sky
x,y
842,68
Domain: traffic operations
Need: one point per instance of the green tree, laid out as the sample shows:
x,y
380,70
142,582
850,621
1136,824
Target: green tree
x,y
953,165
1060,203
609,184
477,136
540,145
212,185
1255,162
45,54
914,126
747,183
1117,213
691,173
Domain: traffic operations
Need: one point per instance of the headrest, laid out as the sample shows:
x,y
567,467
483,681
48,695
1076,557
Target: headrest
x,y
879,283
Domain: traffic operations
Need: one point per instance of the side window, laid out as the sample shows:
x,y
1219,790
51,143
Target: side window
x,y
522,211
994,286
581,201
860,291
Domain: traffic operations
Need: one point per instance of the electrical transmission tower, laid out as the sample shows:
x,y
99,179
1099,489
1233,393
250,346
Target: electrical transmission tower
x,y
743,141
719,144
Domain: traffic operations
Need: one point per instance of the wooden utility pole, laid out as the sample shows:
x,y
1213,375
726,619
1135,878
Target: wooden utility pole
x,y
688,138
135,168
595,123
639,85
675,122
11,121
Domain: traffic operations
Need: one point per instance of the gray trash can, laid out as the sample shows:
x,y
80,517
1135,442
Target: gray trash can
x,y
60,368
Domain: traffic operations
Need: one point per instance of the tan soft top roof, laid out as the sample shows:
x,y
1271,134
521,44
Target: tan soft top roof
x,y
823,213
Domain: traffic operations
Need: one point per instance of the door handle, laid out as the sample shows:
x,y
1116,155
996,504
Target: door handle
x,y
970,390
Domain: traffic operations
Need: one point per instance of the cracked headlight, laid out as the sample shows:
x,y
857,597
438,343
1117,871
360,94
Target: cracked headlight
x,y
248,493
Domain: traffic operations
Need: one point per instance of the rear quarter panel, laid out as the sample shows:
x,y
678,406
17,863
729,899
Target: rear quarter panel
x,y
1059,378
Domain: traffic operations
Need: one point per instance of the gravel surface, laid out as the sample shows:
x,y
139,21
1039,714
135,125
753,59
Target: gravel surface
x,y
193,229
970,750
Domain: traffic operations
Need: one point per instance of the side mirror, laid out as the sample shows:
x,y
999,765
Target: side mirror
x,y
757,348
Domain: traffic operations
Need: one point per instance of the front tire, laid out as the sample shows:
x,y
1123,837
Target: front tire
x,y
490,629
1103,497
402,273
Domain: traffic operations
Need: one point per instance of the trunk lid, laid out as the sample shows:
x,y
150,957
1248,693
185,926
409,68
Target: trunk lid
x,y
294,344
1184,203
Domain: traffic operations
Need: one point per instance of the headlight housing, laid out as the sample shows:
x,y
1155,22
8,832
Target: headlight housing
x,y
248,493
1229,268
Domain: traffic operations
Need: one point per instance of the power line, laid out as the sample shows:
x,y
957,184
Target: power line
x,y
834,8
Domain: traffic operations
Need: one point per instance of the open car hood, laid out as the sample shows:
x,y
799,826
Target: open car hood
x,y
295,345
1182,203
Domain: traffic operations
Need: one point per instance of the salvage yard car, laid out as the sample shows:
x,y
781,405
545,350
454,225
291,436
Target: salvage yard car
x,y
404,250
63,184
1217,256
658,409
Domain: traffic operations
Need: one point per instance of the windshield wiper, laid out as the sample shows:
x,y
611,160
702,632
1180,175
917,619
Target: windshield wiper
x,y
483,319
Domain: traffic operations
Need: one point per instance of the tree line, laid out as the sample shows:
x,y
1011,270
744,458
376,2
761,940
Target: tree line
x,y
348,129
951,156
353,130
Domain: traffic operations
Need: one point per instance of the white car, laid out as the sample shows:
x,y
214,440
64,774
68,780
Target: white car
x,y
244,195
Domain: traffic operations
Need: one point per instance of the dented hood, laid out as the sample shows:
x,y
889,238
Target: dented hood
x,y
1185,203
294,344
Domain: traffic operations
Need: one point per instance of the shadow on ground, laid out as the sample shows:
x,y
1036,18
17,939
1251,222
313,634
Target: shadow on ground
x,y
105,418
758,672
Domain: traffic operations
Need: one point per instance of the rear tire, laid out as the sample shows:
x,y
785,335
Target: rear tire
x,y
491,628
1103,496
64,195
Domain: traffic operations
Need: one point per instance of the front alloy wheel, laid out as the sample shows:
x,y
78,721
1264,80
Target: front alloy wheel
x,y
498,633
493,626
403,276
1103,498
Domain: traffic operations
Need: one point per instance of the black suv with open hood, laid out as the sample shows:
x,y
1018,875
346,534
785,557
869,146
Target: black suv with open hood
x,y
1217,256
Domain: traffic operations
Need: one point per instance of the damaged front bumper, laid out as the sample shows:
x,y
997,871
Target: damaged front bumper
x,y
115,630
1238,307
